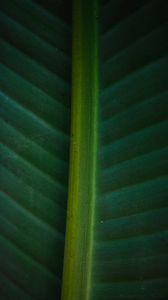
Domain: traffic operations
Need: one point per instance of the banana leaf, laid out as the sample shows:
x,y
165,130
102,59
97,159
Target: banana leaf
x,y
35,90
106,202
117,238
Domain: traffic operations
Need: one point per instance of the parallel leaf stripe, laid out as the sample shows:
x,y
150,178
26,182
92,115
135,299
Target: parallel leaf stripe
x,y
52,29
155,11
36,155
38,108
25,281
137,143
142,223
41,85
111,19
11,208
27,122
148,49
30,174
38,77
148,82
142,246
137,198
44,207
10,287
31,63
39,252
145,167
155,66
41,51
143,115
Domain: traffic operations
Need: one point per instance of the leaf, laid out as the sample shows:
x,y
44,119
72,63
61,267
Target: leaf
x,y
116,233
116,242
34,121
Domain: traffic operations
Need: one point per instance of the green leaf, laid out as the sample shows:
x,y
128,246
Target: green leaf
x,y
116,221
34,121
116,242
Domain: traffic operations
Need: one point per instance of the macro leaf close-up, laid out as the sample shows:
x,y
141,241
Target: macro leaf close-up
x,y
83,150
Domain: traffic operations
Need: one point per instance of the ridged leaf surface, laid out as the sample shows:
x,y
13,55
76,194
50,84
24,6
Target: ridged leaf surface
x,y
35,71
117,225
131,225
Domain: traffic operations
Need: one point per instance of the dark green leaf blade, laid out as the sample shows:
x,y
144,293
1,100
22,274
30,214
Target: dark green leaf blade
x,y
35,70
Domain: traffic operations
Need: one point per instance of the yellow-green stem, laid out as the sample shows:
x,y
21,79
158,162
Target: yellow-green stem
x,y
83,160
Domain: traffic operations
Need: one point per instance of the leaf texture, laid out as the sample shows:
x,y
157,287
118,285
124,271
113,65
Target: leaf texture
x,y
117,226
128,233
130,254
35,75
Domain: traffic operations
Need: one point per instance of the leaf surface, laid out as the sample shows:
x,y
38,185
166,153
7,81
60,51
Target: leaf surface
x,y
35,71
